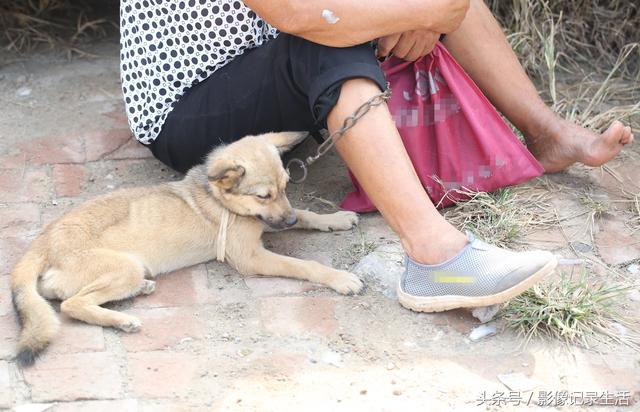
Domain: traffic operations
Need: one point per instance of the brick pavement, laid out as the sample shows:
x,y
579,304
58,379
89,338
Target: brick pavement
x,y
214,341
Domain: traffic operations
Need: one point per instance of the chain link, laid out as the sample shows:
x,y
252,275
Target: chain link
x,y
334,137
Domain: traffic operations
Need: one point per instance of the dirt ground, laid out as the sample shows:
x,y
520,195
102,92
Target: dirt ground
x,y
213,340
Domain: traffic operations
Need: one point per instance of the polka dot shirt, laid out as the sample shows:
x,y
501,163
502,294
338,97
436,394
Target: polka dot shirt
x,y
168,46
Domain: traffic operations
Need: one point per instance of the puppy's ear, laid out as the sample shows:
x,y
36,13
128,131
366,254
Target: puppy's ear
x,y
225,173
285,141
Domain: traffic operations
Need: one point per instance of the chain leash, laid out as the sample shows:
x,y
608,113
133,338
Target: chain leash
x,y
334,137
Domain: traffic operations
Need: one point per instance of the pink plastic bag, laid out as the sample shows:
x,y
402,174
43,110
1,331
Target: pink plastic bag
x,y
454,136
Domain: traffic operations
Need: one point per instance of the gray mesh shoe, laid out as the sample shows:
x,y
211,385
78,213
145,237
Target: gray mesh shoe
x,y
480,275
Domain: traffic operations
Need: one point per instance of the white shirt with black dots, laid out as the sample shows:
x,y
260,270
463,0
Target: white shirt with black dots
x,y
168,46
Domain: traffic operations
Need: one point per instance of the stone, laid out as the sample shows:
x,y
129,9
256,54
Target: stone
x,y
332,358
485,313
482,331
23,91
383,270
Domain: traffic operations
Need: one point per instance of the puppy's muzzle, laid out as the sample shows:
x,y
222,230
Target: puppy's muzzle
x,y
281,222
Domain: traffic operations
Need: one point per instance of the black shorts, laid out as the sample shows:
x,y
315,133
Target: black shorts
x,y
286,84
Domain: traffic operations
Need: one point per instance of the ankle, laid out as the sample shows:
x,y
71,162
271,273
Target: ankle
x,y
435,246
541,126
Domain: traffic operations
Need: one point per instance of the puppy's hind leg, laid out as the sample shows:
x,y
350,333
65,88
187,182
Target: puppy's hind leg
x,y
119,278
326,223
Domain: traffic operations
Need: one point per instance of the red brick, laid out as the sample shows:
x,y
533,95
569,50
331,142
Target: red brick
x,y
176,289
76,336
295,316
163,374
75,376
69,179
19,220
123,405
132,149
24,185
6,394
11,249
9,336
46,150
616,244
101,143
266,286
162,328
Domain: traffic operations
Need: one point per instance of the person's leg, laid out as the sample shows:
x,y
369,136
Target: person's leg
x,y
445,269
374,152
481,48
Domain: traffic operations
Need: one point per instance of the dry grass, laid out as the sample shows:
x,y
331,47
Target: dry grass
x,y
503,217
577,311
583,55
362,248
59,24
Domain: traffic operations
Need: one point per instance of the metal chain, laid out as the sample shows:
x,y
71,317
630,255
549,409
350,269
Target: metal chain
x,y
334,137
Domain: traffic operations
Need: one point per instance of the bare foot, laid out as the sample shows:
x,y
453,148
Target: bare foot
x,y
564,143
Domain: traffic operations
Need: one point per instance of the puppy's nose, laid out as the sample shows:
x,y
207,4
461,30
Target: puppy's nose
x,y
291,219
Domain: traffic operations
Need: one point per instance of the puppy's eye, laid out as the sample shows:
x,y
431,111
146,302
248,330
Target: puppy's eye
x,y
264,197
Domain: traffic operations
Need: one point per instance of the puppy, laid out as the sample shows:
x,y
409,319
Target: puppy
x,y
112,247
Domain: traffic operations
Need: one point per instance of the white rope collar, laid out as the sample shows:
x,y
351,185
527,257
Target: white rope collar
x,y
226,220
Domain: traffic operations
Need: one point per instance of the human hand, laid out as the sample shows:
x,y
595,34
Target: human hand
x,y
409,46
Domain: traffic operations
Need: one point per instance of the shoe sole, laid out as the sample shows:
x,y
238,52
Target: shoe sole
x,y
449,302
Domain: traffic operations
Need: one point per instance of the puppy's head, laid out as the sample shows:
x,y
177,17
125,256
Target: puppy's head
x,y
248,177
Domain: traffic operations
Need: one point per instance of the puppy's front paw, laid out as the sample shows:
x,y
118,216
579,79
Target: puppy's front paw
x,y
346,283
130,325
339,221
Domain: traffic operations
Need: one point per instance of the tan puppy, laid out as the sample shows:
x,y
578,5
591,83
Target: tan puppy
x,y
111,247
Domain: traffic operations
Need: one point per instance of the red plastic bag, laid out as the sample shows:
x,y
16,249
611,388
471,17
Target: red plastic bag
x,y
454,136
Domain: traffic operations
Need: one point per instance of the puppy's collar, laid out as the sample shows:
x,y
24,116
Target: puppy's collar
x,y
226,220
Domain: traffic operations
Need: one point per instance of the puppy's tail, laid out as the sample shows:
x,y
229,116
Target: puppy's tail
x,y
37,318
